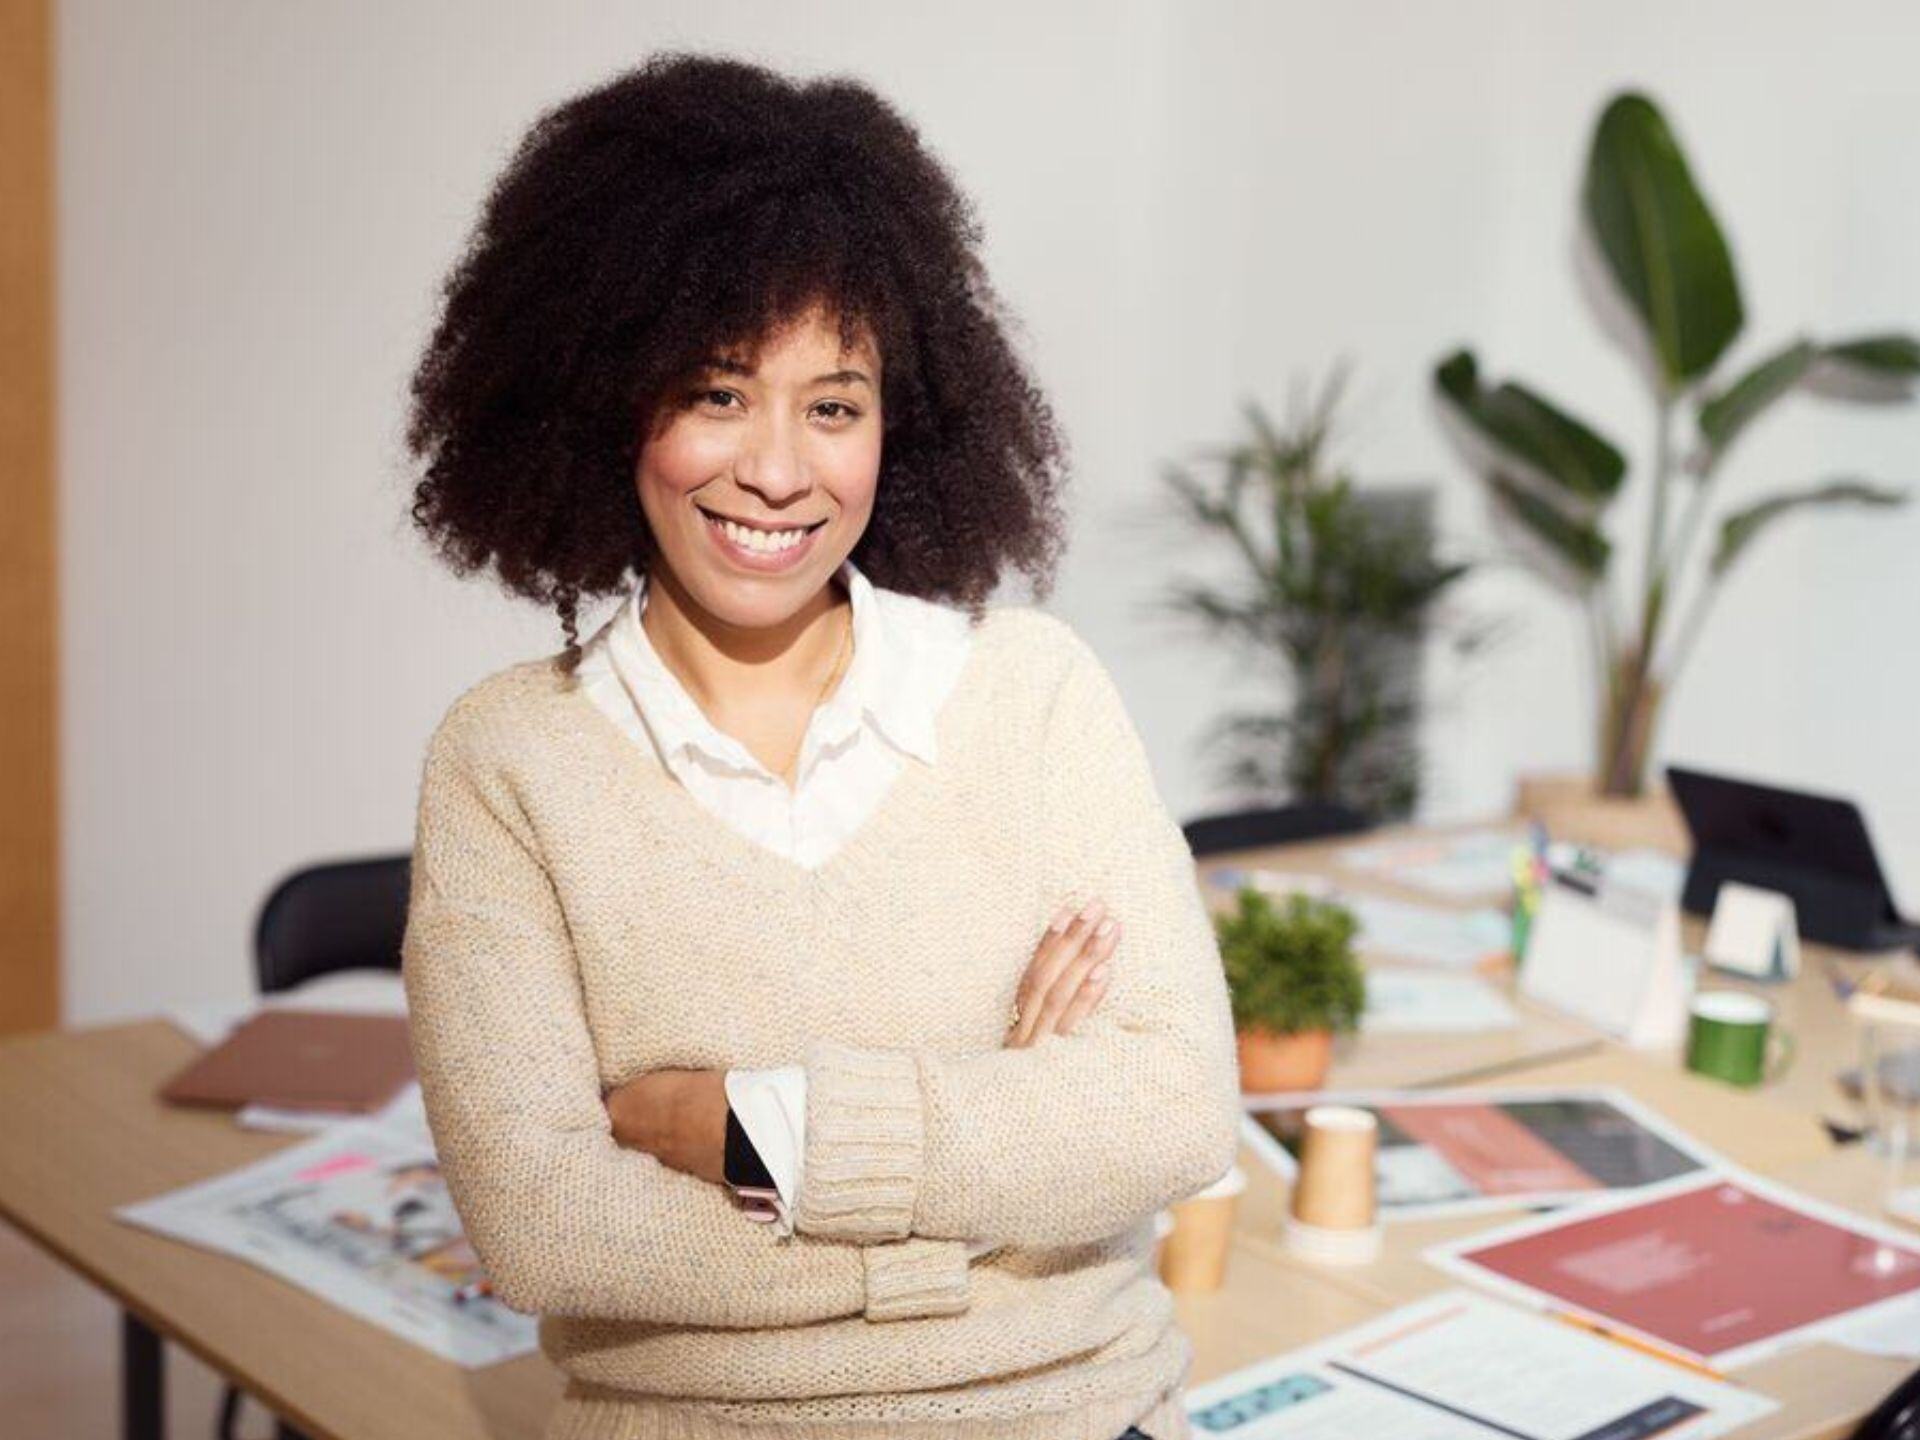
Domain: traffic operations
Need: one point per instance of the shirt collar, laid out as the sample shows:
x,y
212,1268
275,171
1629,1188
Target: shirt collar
x,y
880,684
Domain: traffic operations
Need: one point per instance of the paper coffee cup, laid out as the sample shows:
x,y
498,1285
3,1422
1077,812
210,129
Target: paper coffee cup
x,y
1193,1257
1334,1189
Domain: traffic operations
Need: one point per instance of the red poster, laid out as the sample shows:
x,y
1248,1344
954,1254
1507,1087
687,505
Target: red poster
x,y
1708,1269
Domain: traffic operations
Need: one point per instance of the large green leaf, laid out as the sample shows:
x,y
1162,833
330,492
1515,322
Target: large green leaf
x,y
1660,240
1893,355
1727,414
1738,530
1532,432
1577,542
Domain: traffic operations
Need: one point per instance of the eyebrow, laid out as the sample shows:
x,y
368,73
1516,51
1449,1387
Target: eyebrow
x,y
834,377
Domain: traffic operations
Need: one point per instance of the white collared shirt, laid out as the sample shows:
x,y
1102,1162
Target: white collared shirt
x,y
907,654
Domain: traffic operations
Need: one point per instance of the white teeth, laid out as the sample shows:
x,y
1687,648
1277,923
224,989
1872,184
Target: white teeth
x,y
761,540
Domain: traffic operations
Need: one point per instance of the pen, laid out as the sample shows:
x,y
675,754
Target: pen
x,y
1634,1342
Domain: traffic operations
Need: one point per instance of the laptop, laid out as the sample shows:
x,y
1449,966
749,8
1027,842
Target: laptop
x,y
1814,848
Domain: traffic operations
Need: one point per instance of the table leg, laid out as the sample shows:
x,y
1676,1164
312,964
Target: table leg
x,y
143,1375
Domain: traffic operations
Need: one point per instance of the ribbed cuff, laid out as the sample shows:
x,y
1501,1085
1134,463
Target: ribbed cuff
x,y
865,1143
918,1276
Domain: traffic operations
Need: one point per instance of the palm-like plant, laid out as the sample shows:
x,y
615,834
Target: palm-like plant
x,y
1553,476
1336,589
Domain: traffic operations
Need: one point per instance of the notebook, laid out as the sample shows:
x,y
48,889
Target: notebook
x,y
301,1060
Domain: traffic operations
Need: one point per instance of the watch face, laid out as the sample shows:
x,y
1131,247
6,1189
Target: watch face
x,y
742,1165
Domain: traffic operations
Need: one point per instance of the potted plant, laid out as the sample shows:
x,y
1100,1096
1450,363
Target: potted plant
x,y
1666,269
1336,592
1295,983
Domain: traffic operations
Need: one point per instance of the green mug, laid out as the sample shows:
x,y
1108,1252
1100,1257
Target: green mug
x,y
1731,1037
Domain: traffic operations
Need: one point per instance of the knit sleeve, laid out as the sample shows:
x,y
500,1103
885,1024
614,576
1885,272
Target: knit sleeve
x,y
1082,1135
564,1219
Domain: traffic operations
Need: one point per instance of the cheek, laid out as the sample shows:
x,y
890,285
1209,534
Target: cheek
x,y
853,474
681,459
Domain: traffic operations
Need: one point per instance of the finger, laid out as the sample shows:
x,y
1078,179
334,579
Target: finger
x,y
1053,956
1084,1000
1061,993
1040,964
1092,988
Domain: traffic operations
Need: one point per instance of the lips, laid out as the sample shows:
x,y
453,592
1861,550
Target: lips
x,y
766,557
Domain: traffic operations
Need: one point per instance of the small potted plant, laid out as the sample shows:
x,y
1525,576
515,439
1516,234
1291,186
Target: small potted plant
x,y
1295,982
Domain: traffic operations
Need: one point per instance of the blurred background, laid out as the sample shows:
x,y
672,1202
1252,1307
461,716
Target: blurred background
x,y
229,647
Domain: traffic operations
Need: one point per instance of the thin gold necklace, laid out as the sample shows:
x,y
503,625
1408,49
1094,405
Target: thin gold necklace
x,y
846,639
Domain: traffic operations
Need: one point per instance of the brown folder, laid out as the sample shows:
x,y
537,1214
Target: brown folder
x,y
301,1060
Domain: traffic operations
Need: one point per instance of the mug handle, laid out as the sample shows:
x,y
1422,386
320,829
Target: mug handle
x,y
1781,1043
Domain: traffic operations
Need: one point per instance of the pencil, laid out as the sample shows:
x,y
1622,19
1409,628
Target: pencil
x,y
1634,1342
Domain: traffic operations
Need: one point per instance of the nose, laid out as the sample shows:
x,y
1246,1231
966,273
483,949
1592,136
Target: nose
x,y
771,460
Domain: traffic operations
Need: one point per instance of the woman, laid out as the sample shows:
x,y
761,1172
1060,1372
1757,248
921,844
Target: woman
x,y
808,835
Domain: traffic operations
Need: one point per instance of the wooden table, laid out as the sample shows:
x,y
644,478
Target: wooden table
x,y
1774,1130
81,1134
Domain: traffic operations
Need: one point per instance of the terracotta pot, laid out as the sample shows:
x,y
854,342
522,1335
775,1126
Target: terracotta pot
x,y
1572,808
1270,1060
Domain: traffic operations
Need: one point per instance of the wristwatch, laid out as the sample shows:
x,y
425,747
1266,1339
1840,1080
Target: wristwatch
x,y
747,1175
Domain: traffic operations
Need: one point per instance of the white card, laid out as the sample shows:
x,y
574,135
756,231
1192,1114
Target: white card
x,y
1754,932
1612,959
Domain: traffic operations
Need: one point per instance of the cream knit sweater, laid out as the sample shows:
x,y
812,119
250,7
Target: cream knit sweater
x,y
577,918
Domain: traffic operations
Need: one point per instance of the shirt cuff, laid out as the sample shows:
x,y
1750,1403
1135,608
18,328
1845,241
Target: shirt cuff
x,y
772,1108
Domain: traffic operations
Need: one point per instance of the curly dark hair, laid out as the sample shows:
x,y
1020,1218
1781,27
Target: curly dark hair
x,y
692,206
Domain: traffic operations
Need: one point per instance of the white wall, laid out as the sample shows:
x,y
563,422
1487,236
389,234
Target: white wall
x,y
1187,204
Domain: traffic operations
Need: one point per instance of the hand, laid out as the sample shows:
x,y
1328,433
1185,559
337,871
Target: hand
x,y
1067,975
677,1116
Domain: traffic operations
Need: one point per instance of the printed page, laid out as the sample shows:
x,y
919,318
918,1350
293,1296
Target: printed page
x,y
1459,1366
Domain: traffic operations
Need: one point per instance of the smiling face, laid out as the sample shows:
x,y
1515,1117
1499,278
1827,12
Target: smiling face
x,y
758,481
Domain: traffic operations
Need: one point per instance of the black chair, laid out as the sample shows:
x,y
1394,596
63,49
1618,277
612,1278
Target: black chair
x,y
346,915
1271,825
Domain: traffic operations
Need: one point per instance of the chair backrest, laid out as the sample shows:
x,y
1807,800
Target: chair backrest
x,y
347,914
1271,825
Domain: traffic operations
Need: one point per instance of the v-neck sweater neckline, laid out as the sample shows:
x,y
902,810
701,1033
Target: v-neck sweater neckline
x,y
727,849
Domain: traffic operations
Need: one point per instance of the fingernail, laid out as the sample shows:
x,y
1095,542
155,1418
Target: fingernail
x,y
1098,973
1091,909
1061,919
1105,927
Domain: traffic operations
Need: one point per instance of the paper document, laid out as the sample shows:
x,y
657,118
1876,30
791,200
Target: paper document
x,y
1890,1330
360,1217
1725,1268
1466,1152
1458,1366
359,991
1467,866
1459,939
1429,1001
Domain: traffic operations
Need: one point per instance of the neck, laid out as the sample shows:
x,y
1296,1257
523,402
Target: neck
x,y
721,663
